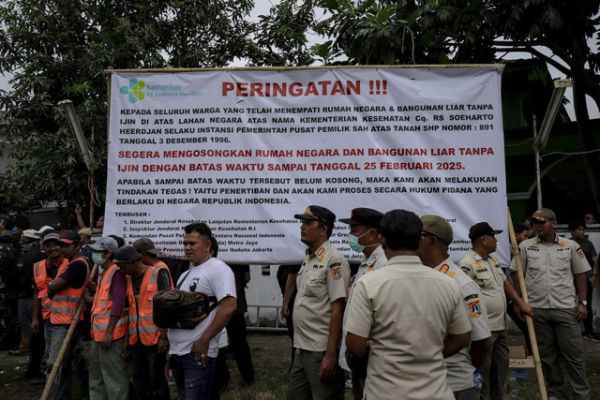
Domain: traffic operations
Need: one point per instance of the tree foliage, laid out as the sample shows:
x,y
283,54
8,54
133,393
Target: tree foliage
x,y
280,37
58,50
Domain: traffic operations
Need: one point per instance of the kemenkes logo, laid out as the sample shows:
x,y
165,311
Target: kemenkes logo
x,y
139,90
135,90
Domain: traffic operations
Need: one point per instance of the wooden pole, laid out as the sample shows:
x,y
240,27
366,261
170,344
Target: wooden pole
x,y
63,348
528,319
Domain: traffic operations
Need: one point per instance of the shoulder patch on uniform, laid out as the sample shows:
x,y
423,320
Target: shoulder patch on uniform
x,y
370,267
320,252
580,254
336,270
474,307
444,269
471,296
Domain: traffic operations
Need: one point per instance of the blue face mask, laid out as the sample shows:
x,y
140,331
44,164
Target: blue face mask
x,y
353,242
97,258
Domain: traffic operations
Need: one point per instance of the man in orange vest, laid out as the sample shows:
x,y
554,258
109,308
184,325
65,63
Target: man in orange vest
x,y
147,343
43,272
108,352
65,291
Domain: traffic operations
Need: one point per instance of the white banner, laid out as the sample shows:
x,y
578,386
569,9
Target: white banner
x,y
245,150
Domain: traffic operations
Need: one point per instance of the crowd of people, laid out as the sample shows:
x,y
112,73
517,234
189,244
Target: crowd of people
x,y
409,323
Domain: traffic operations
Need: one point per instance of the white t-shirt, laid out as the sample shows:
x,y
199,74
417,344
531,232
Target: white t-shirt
x,y
213,278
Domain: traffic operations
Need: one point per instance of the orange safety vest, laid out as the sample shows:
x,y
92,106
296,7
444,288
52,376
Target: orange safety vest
x,y
140,320
102,307
65,302
41,279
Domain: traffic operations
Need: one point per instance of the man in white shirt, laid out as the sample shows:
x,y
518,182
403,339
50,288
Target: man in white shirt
x,y
193,352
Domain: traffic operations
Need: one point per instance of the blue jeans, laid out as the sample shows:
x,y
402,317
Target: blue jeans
x,y
192,379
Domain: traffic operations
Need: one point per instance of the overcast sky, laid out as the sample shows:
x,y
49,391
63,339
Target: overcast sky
x,y
263,6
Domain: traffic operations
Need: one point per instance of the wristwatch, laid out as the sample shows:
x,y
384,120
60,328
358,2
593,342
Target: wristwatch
x,y
584,302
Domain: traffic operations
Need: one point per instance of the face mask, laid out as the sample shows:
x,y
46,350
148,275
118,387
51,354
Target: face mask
x,y
97,258
353,242
27,246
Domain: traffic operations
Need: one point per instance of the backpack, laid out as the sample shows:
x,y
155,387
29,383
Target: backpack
x,y
181,309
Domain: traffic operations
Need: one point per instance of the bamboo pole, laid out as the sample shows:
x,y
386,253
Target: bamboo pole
x,y
65,345
528,319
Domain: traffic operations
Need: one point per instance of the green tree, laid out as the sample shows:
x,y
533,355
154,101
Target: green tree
x,y
58,50
280,37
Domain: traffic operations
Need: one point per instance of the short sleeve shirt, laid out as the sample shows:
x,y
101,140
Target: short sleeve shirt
x,y
488,274
213,278
460,366
406,310
75,274
376,260
549,270
322,279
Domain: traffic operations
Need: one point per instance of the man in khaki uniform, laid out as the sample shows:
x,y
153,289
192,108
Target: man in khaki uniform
x,y
549,264
484,269
433,251
318,311
363,238
412,315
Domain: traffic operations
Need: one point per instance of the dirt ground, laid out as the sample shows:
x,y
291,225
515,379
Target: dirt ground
x,y
271,357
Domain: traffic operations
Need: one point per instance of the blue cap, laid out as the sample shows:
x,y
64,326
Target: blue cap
x,y
105,244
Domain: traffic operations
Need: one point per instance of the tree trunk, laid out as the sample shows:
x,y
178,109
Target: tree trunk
x,y
592,166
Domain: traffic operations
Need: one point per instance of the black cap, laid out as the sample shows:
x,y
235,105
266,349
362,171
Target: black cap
x,y
363,216
317,213
70,237
481,229
145,245
125,254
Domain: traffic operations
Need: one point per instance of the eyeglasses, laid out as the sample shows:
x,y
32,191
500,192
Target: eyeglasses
x,y
538,222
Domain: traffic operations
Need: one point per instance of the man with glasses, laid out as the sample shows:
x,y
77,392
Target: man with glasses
x,y
553,266
484,269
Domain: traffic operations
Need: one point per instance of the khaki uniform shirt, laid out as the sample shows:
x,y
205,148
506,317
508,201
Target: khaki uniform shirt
x,y
460,366
376,260
406,310
488,274
549,270
322,279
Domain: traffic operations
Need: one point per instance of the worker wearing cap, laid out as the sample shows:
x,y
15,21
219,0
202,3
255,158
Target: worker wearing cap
x,y
43,272
147,343
433,251
65,291
363,238
29,253
319,310
484,269
108,366
410,317
553,266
